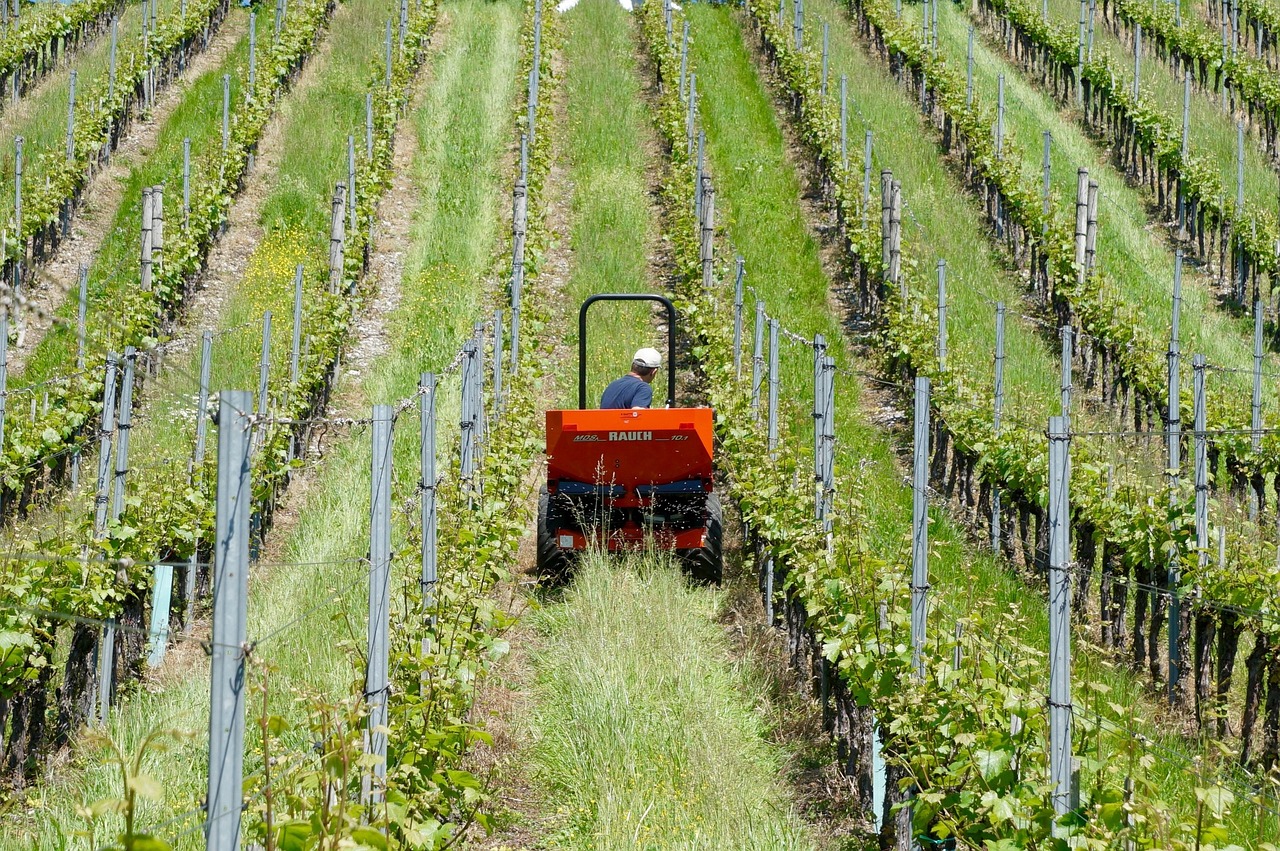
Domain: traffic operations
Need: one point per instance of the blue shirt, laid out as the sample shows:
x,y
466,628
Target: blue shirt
x,y
627,392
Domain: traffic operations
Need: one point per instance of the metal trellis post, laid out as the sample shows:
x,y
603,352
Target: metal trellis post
x,y
377,681
1060,753
920,523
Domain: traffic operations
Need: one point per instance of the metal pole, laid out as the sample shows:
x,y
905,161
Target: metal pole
x,y
388,51
774,357
684,61
230,625
844,121
4,369
942,316
145,262
186,178
124,422
105,432
1000,117
1082,219
819,346
157,227
1137,61
798,26
826,34
376,676
867,143
226,111
757,360
296,343
82,307
708,247
1066,369
1080,51
253,52
998,408
1046,168
1060,753
71,119
920,524
337,239
111,62
468,424
264,363
1256,419
497,360
202,404
368,125
968,86
427,484
698,176
738,280
693,109
353,207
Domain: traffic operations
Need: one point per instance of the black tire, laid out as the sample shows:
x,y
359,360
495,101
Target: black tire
x,y
554,564
705,565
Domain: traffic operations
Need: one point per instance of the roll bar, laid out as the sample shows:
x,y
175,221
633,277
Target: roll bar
x,y
671,340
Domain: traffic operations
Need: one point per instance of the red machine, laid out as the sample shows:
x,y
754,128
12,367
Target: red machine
x,y
621,478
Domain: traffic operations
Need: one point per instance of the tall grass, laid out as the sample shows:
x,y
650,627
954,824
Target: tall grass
x,y
463,126
613,233
641,733
761,192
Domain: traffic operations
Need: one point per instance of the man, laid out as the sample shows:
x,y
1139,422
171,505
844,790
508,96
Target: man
x,y
632,390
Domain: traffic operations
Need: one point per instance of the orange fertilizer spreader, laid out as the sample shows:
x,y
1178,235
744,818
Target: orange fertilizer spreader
x,y
620,479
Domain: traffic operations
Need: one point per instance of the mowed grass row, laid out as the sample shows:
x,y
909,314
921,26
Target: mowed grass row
x,y
613,232
641,732
760,195
40,117
1132,250
463,130
115,265
315,123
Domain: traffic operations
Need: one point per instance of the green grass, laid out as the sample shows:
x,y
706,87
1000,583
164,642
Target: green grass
x,y
1132,250
760,195
613,230
115,265
41,116
464,128
642,733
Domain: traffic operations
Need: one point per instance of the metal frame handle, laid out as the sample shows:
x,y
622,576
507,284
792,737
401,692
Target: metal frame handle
x,y
671,340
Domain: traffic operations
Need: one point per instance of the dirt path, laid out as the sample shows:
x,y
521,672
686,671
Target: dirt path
x,y
59,276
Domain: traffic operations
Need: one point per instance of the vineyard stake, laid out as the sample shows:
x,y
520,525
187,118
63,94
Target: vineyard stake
x,y
4,371
920,524
1093,8
819,347
895,239
1066,370
1000,117
81,307
691,123
684,61
737,318
866,175
1239,212
826,34
17,218
1060,755
124,422
145,261
71,118
757,360
1137,62
337,238
202,424
968,86
774,357
798,26
230,594
157,226
708,233
226,111
427,484
782,13
524,157
377,683
998,409
1080,48
351,180
829,448
1186,129
1047,168
253,52
404,23
111,73
1176,666
368,125
467,447
296,342
519,226
276,35
388,51
1082,220
886,220
186,178
536,69
1255,422
942,316
102,499
264,364
1091,228
496,375
844,120
698,176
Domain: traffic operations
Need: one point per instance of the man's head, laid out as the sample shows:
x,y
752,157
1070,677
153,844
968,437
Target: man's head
x,y
645,364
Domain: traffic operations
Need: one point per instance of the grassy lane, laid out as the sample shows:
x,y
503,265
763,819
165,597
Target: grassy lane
x,y
1135,255
610,198
641,729
41,116
463,128
760,192
642,734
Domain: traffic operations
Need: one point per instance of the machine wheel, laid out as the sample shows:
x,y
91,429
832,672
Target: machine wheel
x,y
706,564
554,564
